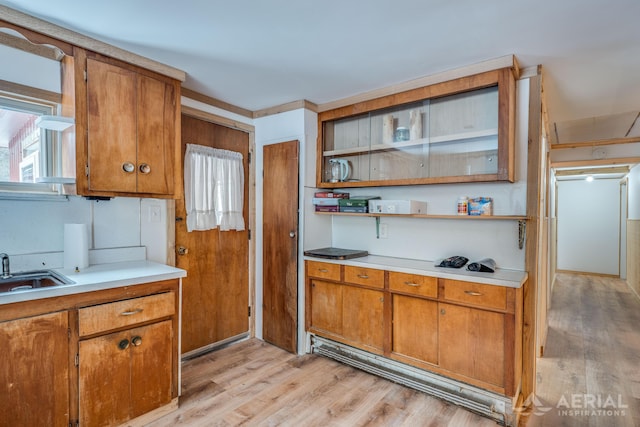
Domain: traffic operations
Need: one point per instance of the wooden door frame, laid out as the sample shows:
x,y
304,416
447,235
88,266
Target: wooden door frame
x,y
250,130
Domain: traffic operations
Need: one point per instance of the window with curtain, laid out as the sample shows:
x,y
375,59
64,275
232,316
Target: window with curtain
x,y
213,188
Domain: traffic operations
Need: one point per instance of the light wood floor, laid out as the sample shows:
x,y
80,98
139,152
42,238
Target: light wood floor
x,y
256,384
593,349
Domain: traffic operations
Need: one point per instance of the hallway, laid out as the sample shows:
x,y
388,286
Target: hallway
x,y
590,372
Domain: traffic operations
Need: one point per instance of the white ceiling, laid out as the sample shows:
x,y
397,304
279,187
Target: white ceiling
x,y
261,53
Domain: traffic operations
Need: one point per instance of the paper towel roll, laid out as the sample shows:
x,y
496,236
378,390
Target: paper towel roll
x,y
76,246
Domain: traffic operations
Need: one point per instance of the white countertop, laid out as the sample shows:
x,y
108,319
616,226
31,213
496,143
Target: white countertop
x,y
501,277
99,277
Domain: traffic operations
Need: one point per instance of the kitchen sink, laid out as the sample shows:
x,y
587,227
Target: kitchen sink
x,y
28,280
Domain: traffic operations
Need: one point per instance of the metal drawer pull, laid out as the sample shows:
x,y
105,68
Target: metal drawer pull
x,y
363,276
412,284
136,341
145,168
124,344
473,294
131,313
323,270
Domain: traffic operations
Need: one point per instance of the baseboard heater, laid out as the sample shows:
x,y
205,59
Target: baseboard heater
x,y
482,402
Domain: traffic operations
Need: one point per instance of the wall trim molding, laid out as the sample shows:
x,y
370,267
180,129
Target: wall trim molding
x,y
282,108
599,162
217,119
197,96
596,143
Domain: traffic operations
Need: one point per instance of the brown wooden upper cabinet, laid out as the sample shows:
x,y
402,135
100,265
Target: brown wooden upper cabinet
x,y
461,130
129,132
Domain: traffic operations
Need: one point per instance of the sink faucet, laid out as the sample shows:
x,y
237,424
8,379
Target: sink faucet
x,y
6,272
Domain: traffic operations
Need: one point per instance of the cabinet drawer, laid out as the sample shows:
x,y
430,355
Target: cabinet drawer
x,y
413,284
323,270
489,296
104,317
364,276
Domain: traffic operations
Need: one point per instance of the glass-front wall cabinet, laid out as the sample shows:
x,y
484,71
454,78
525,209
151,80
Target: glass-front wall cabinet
x,y
449,138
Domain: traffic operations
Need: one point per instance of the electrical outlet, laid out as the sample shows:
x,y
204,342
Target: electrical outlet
x,y
384,230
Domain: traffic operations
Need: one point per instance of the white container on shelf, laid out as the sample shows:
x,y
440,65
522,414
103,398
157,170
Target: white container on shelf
x,y
397,207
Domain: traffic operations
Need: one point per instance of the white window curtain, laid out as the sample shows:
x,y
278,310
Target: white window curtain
x,y
213,188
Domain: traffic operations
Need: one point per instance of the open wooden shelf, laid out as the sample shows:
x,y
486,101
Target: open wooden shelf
x,y
463,217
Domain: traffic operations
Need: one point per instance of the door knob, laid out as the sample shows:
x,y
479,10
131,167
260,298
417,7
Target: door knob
x,y
182,250
128,167
292,234
123,344
136,341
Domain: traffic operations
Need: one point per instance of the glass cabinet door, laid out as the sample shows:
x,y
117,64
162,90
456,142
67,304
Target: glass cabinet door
x,y
463,134
449,136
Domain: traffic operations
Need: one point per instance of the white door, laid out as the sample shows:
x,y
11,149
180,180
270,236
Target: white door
x,y
589,226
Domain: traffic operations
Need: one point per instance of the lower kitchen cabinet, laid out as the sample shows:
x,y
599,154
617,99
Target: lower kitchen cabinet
x,y
125,374
349,314
326,310
97,358
34,373
466,331
362,317
472,343
415,330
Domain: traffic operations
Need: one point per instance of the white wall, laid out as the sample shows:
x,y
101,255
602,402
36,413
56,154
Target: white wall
x,y
32,231
29,69
589,226
634,193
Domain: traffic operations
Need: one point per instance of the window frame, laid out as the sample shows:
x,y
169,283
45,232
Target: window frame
x,y
49,145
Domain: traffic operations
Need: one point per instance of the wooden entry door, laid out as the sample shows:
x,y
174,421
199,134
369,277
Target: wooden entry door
x,y
215,293
280,245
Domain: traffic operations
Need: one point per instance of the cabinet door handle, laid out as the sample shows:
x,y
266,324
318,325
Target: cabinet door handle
x,y
473,293
128,167
136,341
145,168
131,312
443,311
363,276
323,270
123,344
412,284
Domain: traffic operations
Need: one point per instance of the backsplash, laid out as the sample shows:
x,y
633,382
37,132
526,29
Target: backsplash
x,y
32,232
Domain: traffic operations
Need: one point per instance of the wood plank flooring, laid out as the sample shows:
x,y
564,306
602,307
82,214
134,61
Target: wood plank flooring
x,y
253,383
589,374
592,352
